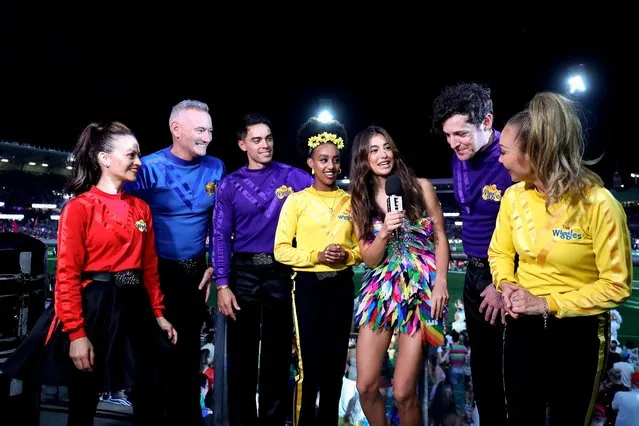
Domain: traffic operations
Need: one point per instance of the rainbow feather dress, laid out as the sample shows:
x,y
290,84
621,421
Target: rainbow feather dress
x,y
397,293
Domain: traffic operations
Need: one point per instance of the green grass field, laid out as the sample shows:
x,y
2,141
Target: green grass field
x,y
629,310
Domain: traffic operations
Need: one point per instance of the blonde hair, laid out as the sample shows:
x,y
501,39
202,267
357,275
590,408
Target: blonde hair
x,y
550,132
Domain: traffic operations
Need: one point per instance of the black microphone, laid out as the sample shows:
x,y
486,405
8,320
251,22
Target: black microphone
x,y
394,192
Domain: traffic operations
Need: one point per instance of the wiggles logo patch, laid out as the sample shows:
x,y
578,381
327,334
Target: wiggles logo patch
x,y
567,233
283,191
490,192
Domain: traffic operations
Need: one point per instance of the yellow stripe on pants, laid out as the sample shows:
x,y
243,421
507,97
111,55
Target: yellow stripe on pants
x,y
297,393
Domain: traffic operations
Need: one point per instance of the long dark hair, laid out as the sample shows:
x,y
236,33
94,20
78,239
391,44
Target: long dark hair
x,y
363,204
95,138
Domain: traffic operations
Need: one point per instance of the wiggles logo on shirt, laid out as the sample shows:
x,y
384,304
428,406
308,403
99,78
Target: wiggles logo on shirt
x,y
283,191
490,192
566,233
344,216
211,188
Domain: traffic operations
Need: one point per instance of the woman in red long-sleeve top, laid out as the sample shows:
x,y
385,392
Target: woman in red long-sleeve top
x,y
100,334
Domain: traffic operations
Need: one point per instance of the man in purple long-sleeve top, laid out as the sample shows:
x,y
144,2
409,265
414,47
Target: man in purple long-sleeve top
x,y
464,113
254,290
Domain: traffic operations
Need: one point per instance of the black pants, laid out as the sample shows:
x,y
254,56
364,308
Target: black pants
x,y
324,309
263,330
538,374
185,309
83,401
486,345
127,343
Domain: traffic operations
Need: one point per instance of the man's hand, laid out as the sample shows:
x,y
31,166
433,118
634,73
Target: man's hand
x,y
226,302
206,282
493,304
166,326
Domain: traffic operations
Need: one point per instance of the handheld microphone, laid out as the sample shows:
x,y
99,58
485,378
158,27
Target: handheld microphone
x,y
394,192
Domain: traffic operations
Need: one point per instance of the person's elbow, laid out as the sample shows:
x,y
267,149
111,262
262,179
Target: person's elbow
x,y
371,263
278,252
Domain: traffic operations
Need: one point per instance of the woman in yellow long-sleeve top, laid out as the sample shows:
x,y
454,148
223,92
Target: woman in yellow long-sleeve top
x,y
574,265
319,219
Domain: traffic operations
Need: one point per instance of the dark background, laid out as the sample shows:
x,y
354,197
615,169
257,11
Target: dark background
x,y
62,67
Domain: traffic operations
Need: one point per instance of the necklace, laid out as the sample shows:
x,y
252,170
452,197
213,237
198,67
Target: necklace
x,y
330,209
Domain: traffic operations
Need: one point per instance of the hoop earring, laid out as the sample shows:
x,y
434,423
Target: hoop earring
x,y
339,172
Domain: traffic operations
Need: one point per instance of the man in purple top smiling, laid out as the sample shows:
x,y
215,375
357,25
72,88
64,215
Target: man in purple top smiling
x,y
464,113
254,290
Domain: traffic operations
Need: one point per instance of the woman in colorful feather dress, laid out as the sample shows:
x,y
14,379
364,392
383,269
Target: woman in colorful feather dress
x,y
405,286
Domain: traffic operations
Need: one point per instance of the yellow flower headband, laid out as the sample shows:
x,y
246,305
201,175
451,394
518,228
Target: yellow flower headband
x,y
317,140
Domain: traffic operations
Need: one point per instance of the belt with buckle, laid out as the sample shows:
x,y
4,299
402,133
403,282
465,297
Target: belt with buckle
x,y
324,275
188,267
256,258
129,277
478,262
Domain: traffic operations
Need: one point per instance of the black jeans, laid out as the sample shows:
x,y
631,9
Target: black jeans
x,y
185,309
486,345
263,330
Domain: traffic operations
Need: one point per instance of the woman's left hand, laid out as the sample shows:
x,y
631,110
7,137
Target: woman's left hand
x,y
522,301
170,331
439,298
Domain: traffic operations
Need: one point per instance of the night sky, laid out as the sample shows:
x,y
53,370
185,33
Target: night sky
x,y
61,69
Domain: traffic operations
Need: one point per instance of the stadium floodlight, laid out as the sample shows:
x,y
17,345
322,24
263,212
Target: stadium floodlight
x,y
31,163
44,165
43,206
577,79
577,84
11,216
1,203
5,160
325,117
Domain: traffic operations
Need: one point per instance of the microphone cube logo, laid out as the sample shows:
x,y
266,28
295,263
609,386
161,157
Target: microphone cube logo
x,y
395,203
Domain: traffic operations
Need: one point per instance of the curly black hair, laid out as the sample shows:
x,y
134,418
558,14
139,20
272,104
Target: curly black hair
x,y
470,99
314,127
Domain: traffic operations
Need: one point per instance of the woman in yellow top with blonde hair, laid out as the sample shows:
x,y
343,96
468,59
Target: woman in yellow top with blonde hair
x,y
319,220
574,265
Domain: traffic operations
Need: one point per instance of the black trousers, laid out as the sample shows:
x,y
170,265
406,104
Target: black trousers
x,y
128,347
185,309
486,348
259,342
324,313
536,375
83,401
